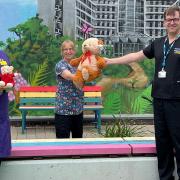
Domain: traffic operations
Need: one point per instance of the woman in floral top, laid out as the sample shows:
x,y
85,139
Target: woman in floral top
x,y
69,99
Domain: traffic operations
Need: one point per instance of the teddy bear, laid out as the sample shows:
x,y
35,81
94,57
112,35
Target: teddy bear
x,y
89,64
7,77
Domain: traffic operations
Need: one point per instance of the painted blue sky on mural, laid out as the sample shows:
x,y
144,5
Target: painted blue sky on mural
x,y
14,12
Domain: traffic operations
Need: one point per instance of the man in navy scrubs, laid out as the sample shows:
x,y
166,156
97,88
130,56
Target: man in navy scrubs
x,y
165,91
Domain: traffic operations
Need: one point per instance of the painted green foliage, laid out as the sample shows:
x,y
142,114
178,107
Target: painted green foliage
x,y
33,47
128,101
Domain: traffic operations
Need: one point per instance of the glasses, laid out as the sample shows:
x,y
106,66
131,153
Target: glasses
x,y
68,49
175,20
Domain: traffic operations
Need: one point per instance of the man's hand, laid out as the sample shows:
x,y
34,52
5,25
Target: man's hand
x,y
107,60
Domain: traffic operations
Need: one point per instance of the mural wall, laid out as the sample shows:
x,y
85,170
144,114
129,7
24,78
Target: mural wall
x,y
34,52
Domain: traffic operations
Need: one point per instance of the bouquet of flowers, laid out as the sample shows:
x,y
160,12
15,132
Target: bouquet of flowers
x,y
19,81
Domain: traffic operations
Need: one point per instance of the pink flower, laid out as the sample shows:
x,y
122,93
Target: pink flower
x,y
19,81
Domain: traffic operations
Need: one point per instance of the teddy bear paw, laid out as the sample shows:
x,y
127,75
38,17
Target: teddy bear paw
x,y
2,83
78,84
85,74
9,85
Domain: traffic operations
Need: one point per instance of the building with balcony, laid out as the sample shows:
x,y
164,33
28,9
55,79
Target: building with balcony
x,y
128,25
153,17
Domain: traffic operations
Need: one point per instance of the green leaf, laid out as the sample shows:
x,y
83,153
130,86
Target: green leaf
x,y
123,128
39,77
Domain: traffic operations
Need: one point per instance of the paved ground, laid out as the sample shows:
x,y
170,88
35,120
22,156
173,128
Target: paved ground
x,y
45,131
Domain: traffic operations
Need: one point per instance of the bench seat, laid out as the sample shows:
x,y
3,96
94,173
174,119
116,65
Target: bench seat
x,y
86,107
43,98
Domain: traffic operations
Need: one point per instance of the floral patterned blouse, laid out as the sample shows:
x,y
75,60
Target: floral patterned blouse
x,y
69,99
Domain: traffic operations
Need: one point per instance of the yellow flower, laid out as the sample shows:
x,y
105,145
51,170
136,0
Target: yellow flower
x,y
2,62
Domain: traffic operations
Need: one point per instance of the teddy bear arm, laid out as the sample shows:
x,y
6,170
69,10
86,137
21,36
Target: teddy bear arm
x,y
100,62
92,74
78,80
75,62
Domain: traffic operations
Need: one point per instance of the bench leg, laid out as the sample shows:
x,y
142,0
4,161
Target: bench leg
x,y
98,120
23,121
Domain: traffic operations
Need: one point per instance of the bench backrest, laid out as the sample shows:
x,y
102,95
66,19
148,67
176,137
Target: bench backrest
x,y
45,95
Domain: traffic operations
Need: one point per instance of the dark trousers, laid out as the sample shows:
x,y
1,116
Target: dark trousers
x,y
167,134
64,124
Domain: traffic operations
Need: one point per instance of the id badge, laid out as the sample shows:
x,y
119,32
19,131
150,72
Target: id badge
x,y
162,74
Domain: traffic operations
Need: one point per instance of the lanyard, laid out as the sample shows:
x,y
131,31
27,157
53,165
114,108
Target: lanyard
x,y
167,50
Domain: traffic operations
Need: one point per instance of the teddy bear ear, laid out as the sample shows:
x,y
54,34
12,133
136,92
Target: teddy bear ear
x,y
3,67
11,68
100,42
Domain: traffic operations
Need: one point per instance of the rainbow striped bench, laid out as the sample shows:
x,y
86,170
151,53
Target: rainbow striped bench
x,y
83,147
141,145
43,98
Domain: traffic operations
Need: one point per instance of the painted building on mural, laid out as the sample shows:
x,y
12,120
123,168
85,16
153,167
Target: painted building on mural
x,y
128,25
153,16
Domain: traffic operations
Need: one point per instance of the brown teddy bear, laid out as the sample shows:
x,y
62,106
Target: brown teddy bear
x,y
89,64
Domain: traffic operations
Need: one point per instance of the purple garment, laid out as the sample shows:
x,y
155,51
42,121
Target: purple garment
x,y
5,135
4,56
